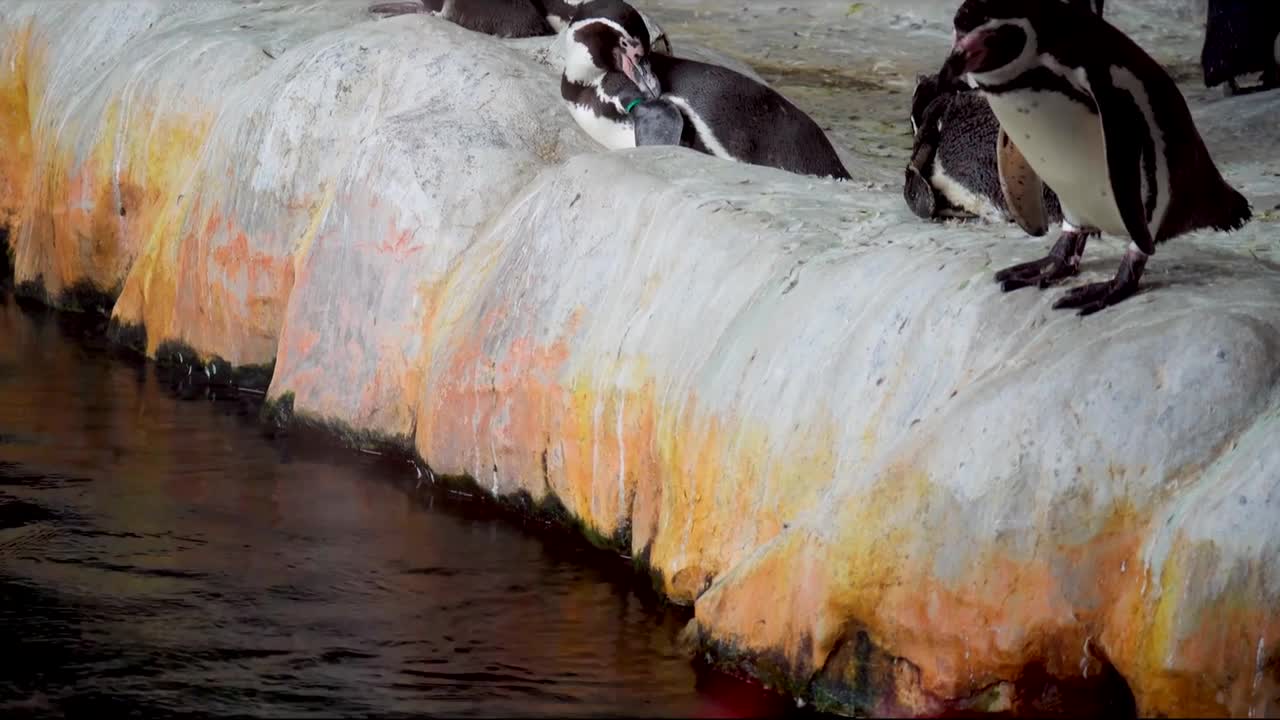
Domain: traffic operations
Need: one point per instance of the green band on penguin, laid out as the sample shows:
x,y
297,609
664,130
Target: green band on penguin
x,y
631,105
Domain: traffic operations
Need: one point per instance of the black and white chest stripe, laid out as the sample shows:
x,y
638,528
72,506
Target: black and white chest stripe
x,y
599,99
1021,87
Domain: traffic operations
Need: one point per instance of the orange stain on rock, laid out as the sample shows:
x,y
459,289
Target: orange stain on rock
x,y
208,287
870,565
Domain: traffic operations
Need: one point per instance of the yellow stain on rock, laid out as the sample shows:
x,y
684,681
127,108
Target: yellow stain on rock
x,y
16,162
1164,646
91,216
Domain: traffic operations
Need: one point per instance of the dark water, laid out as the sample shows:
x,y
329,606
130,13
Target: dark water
x,y
162,555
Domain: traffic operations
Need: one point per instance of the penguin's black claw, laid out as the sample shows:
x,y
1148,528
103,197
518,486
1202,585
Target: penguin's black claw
x,y
1091,298
1062,262
1042,273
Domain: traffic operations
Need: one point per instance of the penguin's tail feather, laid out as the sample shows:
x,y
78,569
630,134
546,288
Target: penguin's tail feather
x,y
1236,212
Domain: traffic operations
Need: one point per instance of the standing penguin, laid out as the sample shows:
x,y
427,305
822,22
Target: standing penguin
x,y
623,96
953,170
507,18
1242,37
1084,108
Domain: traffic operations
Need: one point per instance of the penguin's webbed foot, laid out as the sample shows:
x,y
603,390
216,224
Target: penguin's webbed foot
x,y
1041,273
1062,262
1091,298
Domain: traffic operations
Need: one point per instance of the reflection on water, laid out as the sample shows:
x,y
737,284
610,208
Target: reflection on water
x,y
161,555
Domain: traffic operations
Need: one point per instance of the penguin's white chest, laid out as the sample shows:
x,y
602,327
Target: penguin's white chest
x,y
962,197
1063,141
612,134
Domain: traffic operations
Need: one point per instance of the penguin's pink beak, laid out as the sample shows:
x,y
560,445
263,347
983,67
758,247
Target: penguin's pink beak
x,y
969,52
635,66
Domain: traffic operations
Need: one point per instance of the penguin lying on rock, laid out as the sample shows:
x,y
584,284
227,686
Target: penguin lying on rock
x,y
953,169
953,173
507,18
623,95
1085,110
1242,37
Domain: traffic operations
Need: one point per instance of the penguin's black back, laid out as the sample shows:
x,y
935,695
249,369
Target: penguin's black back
x,y
503,18
958,131
754,123
1239,39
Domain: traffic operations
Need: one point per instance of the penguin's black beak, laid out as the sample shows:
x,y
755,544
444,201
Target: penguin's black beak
x,y
967,55
635,65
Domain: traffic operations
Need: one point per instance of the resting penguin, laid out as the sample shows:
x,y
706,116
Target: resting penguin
x,y
507,18
623,96
1085,110
953,170
1242,37
503,18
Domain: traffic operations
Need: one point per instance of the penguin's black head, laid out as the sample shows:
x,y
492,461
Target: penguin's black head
x,y
560,13
998,40
991,35
607,36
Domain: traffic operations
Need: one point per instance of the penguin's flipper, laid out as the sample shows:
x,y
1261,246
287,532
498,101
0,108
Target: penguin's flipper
x,y
657,122
1120,124
916,189
1022,187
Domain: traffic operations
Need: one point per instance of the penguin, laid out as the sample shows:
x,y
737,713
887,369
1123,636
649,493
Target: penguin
x,y
952,172
503,18
1241,37
1083,109
508,18
623,95
560,13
